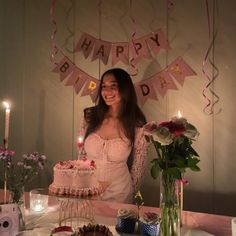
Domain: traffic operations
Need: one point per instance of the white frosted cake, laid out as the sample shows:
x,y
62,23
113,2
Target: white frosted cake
x,y
75,178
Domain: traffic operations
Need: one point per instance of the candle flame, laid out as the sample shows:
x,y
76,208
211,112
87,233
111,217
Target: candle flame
x,y
6,104
179,114
80,139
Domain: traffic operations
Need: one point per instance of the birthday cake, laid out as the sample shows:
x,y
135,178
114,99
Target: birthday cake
x,y
75,178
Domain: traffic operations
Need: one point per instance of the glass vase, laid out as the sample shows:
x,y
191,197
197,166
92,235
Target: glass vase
x,y
169,205
16,195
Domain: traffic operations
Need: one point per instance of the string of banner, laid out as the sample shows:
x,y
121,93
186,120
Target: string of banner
x,y
158,83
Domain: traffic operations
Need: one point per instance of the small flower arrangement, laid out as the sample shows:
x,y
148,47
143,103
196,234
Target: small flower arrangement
x,y
20,173
173,143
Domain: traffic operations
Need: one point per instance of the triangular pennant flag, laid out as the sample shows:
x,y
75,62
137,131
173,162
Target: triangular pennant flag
x,y
91,88
102,51
139,49
163,81
179,69
156,41
120,52
77,79
85,44
64,68
145,90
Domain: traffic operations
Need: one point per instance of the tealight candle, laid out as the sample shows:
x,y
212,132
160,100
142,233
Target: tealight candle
x,y
38,200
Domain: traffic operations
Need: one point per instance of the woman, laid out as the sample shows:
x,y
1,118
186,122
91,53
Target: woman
x,y
113,136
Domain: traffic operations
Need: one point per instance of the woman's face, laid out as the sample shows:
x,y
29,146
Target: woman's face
x,y
110,91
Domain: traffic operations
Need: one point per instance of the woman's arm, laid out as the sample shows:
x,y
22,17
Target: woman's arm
x,y
139,159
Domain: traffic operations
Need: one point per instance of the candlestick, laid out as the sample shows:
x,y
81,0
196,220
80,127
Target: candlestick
x,y
7,123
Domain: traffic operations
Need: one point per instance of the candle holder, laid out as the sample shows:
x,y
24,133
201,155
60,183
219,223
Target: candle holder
x,y
38,200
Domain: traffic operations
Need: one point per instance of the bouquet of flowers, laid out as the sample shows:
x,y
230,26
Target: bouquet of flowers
x,y
173,143
20,173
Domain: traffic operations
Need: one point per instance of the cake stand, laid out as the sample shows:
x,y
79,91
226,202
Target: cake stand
x,y
75,211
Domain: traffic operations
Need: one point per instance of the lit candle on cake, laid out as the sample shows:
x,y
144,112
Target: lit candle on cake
x,y
7,123
80,141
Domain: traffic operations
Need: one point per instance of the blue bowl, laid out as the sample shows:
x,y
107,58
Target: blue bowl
x,y
149,229
126,225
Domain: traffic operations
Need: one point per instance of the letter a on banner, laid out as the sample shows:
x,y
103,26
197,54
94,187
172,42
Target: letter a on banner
x,y
163,81
179,69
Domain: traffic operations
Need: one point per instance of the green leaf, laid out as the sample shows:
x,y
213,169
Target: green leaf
x,y
192,162
192,151
155,169
195,168
180,162
175,172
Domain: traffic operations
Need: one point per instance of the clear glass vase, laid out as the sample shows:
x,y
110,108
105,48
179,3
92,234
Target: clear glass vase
x,y
169,204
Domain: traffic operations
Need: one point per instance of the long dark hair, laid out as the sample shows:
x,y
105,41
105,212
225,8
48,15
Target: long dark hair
x,y
130,115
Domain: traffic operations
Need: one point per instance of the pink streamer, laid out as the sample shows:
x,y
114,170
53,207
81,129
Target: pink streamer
x,y
132,39
71,33
53,44
209,108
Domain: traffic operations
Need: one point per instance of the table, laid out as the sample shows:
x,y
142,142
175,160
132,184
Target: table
x,y
106,213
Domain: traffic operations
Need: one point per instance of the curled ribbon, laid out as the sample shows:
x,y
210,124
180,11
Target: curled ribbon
x,y
53,44
132,40
209,108
71,33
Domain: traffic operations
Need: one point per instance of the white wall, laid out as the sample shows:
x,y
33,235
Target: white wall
x,y
45,113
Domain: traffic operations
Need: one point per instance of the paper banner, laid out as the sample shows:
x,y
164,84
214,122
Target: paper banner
x,y
139,49
102,51
163,81
85,44
77,79
91,88
179,69
156,41
145,90
64,68
120,52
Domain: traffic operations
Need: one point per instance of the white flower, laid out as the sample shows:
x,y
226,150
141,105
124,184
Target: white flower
x,y
191,132
163,136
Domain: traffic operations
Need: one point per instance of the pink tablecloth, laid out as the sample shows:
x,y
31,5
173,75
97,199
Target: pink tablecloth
x,y
214,224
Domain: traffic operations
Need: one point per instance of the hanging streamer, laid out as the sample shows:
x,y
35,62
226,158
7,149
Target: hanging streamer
x,y
71,33
53,44
209,108
132,61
